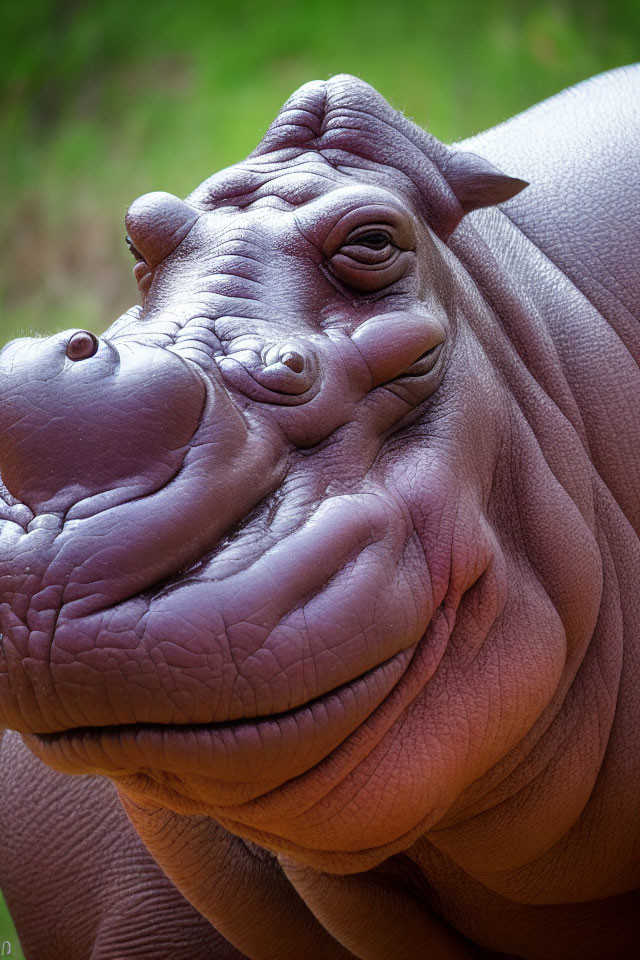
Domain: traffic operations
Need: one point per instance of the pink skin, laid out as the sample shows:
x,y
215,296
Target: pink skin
x,y
217,644
329,548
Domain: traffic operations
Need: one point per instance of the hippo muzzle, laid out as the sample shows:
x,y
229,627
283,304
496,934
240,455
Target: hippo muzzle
x,y
82,418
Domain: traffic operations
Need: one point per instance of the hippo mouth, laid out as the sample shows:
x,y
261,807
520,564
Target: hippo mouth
x,y
224,653
237,761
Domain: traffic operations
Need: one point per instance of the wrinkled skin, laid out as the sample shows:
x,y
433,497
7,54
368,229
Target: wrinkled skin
x,y
327,555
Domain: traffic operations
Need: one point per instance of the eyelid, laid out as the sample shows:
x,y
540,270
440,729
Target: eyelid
x,y
356,235
367,256
367,218
133,250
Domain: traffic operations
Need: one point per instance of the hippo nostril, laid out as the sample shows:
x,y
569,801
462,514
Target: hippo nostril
x,y
82,345
293,361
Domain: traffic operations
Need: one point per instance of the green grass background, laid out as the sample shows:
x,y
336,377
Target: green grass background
x,y
102,101
8,934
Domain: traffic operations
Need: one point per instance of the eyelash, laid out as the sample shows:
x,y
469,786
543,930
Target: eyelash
x,y
133,250
361,240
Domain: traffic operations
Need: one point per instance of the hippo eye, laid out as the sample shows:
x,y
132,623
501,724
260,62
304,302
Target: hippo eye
x,y
374,240
369,259
370,247
133,250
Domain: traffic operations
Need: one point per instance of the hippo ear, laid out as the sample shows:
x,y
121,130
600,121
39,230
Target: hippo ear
x,y
476,183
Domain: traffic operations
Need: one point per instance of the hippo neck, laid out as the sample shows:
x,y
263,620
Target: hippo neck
x,y
540,816
556,341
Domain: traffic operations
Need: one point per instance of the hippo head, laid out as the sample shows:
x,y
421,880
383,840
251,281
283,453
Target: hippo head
x,y
271,546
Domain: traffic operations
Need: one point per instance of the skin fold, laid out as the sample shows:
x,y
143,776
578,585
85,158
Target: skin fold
x,y
319,569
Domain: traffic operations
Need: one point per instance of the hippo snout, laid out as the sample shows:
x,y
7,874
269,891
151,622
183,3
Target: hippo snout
x,y
81,415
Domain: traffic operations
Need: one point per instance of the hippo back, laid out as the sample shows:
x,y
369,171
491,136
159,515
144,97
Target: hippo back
x,y
580,152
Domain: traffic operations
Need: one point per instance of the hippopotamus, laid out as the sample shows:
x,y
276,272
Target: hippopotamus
x,y
319,570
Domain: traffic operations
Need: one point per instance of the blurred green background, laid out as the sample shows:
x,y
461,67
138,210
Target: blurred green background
x,y
102,101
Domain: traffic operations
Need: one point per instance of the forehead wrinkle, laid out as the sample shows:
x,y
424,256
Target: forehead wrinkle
x,y
292,187
253,179
250,233
338,168
227,235
236,266
304,187
390,177
242,252
279,160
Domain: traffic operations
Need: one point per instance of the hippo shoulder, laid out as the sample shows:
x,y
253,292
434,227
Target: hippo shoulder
x,y
580,151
